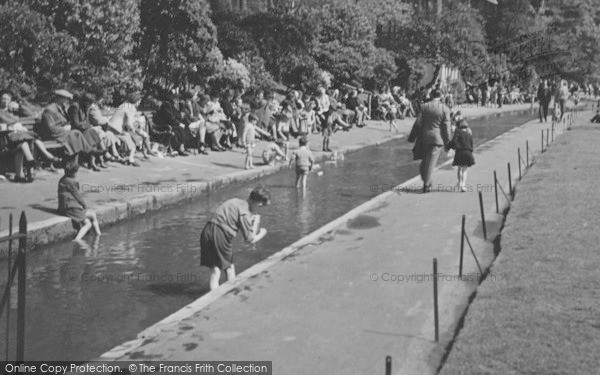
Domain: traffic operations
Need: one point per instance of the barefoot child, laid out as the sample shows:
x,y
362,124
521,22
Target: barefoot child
x,y
249,138
462,142
304,162
271,153
71,204
217,236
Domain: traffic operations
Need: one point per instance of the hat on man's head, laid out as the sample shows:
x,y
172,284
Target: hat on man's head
x,y
435,94
133,97
63,93
88,98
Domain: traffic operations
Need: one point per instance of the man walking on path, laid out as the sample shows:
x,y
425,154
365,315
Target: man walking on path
x,y
431,132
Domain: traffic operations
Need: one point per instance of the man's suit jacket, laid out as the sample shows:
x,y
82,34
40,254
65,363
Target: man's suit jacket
x,y
435,123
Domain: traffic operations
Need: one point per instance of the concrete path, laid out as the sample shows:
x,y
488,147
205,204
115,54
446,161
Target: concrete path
x,y
122,192
341,299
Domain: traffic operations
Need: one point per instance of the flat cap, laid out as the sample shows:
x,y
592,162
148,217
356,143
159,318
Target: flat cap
x,y
63,93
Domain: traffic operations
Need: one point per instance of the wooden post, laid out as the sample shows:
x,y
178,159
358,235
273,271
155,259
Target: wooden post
x,y
519,154
435,301
388,365
22,284
510,189
482,216
527,153
462,246
542,140
496,192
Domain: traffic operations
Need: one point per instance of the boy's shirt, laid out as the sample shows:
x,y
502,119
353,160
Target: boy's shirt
x,y
304,157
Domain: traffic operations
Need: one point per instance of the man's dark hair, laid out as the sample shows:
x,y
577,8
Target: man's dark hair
x,y
303,141
260,195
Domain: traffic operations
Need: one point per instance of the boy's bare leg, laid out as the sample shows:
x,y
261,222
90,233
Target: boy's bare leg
x,y
83,230
304,177
298,177
230,273
215,276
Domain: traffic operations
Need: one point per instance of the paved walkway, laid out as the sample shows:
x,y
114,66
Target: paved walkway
x,y
121,192
341,299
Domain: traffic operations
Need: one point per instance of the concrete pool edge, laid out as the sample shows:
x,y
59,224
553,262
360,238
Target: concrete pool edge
x,y
205,300
59,228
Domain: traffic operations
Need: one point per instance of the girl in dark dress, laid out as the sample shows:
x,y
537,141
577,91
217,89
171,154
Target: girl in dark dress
x,y
462,142
71,204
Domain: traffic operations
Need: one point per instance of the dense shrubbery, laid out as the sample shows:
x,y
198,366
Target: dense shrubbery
x,y
111,46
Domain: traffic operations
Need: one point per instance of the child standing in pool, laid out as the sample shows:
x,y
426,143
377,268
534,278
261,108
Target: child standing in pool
x,y
304,160
71,204
462,142
217,236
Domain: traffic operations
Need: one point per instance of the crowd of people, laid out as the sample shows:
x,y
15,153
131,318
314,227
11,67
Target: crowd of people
x,y
183,122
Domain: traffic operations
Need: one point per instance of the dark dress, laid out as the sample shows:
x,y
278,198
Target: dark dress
x,y
52,128
462,142
169,118
70,202
79,121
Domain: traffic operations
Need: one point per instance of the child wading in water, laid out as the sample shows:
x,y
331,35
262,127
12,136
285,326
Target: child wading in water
x,y
462,142
217,236
304,160
71,204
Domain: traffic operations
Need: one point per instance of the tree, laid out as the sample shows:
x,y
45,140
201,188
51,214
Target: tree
x,y
104,31
279,38
178,43
36,58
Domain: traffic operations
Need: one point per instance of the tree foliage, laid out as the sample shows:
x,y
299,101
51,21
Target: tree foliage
x,y
178,44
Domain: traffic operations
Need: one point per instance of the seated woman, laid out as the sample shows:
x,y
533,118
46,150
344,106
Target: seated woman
x,y
169,118
99,123
122,122
19,138
216,119
78,116
55,127
193,120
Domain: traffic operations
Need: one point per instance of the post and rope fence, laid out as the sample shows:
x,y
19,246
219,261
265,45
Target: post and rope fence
x,y
464,236
15,270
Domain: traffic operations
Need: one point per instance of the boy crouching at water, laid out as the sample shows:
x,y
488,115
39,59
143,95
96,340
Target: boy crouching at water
x,y
217,236
71,204
304,160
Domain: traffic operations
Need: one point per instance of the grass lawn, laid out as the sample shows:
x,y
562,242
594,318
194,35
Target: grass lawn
x,y
539,310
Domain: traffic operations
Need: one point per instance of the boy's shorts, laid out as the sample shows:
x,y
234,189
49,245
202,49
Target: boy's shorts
x,y
302,169
249,148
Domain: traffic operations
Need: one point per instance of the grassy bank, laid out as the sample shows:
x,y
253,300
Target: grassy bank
x,y
539,310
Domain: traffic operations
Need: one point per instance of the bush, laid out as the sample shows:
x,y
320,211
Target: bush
x,y
260,78
233,75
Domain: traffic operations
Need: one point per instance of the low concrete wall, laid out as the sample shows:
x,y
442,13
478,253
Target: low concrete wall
x,y
60,228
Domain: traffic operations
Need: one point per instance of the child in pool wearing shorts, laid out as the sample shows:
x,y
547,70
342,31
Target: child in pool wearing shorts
x,y
304,160
217,236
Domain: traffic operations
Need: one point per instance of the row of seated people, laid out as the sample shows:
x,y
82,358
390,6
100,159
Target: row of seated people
x,y
77,127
